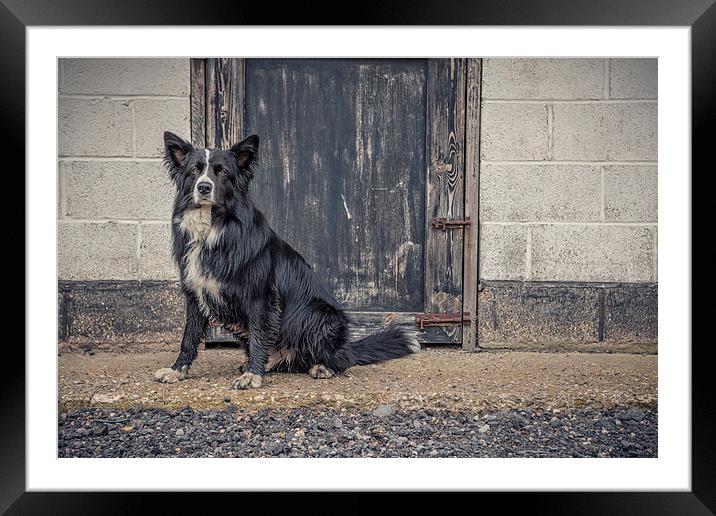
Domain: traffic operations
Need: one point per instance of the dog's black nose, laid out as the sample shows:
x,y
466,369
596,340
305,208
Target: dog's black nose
x,y
204,188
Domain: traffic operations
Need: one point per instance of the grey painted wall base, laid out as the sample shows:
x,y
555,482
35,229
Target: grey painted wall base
x,y
122,311
511,315
555,315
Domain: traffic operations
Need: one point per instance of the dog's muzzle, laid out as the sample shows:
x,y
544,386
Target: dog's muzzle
x,y
204,191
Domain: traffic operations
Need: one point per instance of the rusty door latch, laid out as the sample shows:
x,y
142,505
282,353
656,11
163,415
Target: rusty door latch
x,y
443,223
432,319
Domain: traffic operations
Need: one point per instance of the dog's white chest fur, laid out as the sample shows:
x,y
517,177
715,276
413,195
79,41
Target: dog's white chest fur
x,y
196,224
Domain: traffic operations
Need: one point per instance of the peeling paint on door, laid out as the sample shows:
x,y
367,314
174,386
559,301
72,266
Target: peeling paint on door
x,y
341,170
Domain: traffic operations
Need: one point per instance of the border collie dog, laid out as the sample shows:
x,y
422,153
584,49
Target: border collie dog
x,y
235,271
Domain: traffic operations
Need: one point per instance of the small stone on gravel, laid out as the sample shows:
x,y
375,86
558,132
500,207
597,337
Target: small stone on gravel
x,y
101,429
634,414
520,422
104,398
384,410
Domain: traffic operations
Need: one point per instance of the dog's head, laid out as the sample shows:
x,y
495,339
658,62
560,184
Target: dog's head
x,y
215,177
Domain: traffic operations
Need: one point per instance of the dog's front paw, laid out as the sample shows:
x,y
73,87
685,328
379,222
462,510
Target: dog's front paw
x,y
248,381
169,375
319,371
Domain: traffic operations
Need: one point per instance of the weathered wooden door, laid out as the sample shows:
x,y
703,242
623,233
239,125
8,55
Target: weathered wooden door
x,y
363,171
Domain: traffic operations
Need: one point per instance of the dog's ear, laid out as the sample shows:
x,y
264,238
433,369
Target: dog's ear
x,y
245,152
175,149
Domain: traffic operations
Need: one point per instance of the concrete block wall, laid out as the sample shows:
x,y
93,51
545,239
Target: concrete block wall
x,y
568,200
114,195
568,178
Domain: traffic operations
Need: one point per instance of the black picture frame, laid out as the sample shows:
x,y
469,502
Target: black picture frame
x,y
17,15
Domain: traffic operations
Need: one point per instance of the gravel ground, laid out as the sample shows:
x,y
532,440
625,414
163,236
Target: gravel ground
x,y
385,431
438,403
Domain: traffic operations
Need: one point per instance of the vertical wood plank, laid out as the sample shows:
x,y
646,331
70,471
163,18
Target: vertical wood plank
x,y
225,86
445,196
472,201
198,101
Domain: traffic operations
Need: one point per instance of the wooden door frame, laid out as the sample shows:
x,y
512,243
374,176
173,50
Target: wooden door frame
x,y
471,252
453,153
217,119
445,190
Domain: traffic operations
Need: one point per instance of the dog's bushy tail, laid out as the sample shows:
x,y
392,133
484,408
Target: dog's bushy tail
x,y
387,344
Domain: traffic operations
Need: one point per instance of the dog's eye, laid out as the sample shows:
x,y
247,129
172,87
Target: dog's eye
x,y
194,171
223,172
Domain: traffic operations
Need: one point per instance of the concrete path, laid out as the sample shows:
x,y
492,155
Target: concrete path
x,y
437,378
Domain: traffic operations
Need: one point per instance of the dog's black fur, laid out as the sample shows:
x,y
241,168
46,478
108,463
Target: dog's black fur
x,y
237,272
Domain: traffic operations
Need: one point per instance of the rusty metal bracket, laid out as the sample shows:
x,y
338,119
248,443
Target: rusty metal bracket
x,y
432,319
443,223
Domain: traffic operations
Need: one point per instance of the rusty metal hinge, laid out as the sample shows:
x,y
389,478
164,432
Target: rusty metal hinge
x,y
444,223
433,319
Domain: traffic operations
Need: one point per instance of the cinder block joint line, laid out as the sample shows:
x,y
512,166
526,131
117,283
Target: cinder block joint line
x,y
126,159
565,162
139,250
656,253
60,75
528,254
603,194
646,224
116,221
62,190
134,128
550,132
575,101
109,96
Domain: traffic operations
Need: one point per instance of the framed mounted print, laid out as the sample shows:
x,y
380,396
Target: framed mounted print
x,y
417,258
